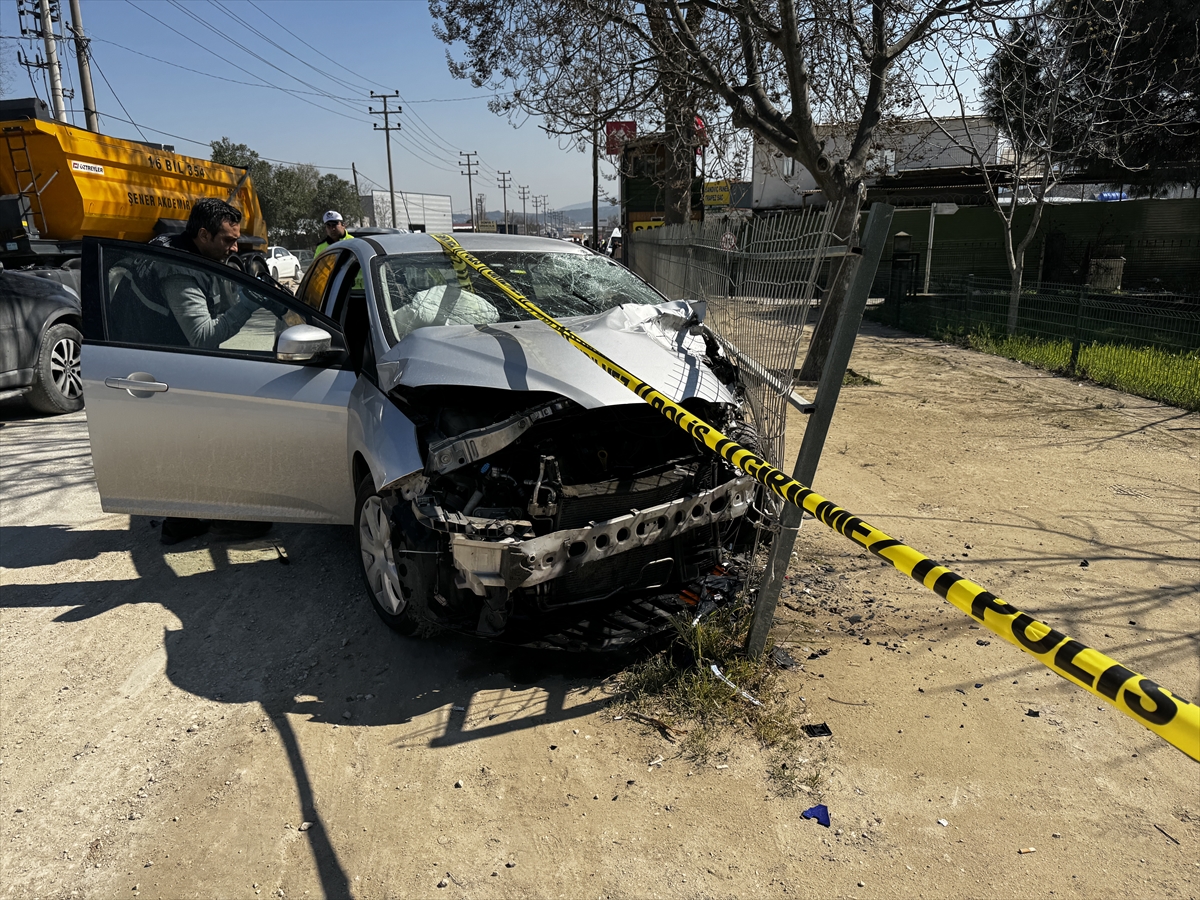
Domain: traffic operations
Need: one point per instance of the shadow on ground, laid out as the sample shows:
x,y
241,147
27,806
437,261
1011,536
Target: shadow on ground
x,y
301,638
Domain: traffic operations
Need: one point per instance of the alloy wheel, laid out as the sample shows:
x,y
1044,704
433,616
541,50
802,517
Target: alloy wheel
x,y
64,368
379,561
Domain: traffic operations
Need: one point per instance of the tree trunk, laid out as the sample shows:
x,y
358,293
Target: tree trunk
x,y
1014,297
596,189
835,295
680,161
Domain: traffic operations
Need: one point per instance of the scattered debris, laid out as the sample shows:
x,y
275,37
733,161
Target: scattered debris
x,y
722,767
820,812
442,883
458,709
304,826
510,865
1057,835
671,734
850,702
982,643
818,730
1164,831
1083,564
1028,850
458,783
657,761
717,671
782,658
1033,713
943,823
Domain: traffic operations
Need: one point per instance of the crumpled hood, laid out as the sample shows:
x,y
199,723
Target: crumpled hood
x,y
649,341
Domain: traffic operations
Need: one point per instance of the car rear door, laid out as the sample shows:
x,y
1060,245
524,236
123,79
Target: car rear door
x,y
228,432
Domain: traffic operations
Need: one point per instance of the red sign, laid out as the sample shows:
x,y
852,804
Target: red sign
x,y
616,134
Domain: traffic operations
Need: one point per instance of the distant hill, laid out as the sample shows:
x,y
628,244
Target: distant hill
x,y
580,213
606,209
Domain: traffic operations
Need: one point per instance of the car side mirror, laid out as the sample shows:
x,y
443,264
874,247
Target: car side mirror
x,y
302,342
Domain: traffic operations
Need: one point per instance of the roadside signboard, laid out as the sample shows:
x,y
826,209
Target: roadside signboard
x,y
716,193
616,134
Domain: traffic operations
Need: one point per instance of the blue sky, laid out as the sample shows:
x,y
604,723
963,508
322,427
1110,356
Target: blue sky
x,y
383,46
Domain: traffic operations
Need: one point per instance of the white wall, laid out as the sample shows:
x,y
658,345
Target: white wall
x,y
779,181
430,210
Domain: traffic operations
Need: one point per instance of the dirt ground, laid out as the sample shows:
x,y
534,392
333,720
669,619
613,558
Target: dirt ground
x,y
206,721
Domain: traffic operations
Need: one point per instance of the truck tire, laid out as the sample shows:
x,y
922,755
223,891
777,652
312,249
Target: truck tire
x,y
57,383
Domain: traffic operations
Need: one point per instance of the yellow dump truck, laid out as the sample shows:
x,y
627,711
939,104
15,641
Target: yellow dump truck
x,y
60,183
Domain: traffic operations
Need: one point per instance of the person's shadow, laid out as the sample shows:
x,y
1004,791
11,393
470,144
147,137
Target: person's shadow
x,y
285,622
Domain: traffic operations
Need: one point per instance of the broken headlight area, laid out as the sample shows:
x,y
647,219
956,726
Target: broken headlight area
x,y
542,522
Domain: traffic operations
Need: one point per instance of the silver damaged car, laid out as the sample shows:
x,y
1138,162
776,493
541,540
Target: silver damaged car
x,y
498,481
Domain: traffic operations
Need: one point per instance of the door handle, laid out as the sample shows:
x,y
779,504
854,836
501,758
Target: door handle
x,y
139,384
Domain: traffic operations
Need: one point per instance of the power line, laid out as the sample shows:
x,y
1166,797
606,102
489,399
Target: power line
x,y
420,125
227,62
118,99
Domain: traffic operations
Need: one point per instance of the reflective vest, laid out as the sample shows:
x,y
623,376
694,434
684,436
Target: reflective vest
x,y
321,246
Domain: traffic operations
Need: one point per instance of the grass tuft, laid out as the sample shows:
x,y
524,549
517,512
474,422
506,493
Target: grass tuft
x,y
855,379
677,686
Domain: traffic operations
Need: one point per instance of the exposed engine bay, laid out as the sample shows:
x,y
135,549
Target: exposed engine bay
x,y
539,521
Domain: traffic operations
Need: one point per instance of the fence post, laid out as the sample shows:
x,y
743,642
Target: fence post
x,y
828,389
969,306
1074,361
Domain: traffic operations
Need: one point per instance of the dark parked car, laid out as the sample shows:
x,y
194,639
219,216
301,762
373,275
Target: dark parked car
x,y
40,342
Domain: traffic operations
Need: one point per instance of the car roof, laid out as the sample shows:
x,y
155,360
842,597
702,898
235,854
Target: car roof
x,y
476,243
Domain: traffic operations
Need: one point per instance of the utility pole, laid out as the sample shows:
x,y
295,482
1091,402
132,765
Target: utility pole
x,y
545,211
468,169
480,209
523,190
85,70
354,172
505,184
537,220
56,90
387,130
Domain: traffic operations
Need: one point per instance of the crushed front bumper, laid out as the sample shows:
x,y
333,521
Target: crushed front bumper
x,y
511,563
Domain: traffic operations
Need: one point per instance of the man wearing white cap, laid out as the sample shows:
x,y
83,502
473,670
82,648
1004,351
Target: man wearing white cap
x,y
335,230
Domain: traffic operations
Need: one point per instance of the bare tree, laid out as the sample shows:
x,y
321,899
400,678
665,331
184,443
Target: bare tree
x,y
1065,95
576,65
791,71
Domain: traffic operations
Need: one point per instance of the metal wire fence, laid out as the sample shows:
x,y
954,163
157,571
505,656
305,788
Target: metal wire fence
x,y
760,279
1144,344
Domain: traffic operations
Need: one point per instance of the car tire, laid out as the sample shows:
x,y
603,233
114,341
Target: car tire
x,y
400,589
57,383
296,273
274,273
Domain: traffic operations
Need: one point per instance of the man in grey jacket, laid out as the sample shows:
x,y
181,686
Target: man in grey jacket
x,y
207,309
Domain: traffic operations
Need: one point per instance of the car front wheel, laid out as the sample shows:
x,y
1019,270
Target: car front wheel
x,y
57,383
400,585
274,273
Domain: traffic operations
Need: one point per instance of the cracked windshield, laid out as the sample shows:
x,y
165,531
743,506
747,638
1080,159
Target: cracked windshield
x,y
416,290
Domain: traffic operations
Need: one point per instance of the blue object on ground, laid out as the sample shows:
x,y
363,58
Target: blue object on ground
x,y
819,812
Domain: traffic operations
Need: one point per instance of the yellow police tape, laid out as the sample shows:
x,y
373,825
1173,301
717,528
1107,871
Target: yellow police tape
x,y
1174,719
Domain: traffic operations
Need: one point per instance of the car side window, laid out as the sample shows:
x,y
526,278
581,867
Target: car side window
x,y
167,298
312,293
